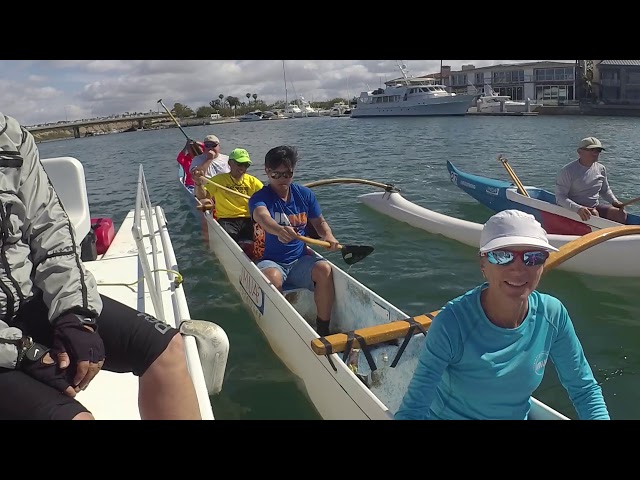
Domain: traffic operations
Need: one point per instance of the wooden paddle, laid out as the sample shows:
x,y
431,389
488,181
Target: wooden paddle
x,y
629,202
399,328
176,121
513,175
194,147
222,187
350,253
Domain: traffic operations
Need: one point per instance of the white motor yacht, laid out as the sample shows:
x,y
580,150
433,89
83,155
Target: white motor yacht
x,y
411,96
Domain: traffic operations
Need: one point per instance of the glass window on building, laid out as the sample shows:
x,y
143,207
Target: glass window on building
x,y
634,78
558,74
516,93
632,94
459,79
562,94
555,93
510,76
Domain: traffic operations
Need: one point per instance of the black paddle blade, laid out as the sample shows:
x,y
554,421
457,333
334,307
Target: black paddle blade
x,y
354,253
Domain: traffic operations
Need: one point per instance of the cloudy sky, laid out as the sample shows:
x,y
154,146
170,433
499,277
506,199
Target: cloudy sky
x,y
40,91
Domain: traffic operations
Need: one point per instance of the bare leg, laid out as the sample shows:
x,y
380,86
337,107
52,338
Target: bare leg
x,y
612,213
83,416
324,291
275,276
166,389
617,215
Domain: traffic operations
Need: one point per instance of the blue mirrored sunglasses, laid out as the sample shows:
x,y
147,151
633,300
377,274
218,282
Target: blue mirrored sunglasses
x,y
505,257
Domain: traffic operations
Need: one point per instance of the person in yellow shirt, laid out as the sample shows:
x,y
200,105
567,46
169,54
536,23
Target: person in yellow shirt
x,y
232,211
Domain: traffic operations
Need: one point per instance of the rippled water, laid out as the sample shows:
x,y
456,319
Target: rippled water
x,y
413,269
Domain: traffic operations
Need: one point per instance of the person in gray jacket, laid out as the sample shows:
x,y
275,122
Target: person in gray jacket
x,y
56,330
581,183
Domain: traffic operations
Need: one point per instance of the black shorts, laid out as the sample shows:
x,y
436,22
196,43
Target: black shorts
x,y
132,342
238,228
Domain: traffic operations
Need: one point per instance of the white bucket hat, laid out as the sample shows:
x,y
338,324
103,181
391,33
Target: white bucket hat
x,y
513,228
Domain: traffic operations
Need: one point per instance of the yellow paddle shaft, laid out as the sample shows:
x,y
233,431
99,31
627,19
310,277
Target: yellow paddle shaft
x,y
225,188
513,175
314,241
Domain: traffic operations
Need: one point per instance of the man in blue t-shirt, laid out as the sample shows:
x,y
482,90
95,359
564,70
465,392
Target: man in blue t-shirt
x,y
284,209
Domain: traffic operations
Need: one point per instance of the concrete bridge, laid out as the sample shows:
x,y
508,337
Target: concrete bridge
x,y
140,119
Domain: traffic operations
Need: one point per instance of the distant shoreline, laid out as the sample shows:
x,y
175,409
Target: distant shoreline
x,y
119,127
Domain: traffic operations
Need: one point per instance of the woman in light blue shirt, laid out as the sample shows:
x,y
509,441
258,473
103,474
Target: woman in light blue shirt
x,y
486,351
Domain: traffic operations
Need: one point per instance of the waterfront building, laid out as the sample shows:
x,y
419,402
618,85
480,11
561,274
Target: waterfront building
x,y
548,82
615,82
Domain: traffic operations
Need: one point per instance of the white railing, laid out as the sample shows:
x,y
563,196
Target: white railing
x,y
153,281
180,308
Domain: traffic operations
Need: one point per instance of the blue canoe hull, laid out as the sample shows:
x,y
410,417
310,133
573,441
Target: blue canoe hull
x,y
499,195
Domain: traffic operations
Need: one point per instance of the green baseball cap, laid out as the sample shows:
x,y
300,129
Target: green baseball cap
x,y
240,155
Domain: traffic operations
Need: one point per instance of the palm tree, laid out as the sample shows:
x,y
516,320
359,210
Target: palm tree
x,y
255,98
248,95
221,96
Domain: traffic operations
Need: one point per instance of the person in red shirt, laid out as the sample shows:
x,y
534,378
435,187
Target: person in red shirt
x,y
184,160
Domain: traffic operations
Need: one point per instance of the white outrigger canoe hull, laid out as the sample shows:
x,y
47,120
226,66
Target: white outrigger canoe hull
x,y
618,257
287,323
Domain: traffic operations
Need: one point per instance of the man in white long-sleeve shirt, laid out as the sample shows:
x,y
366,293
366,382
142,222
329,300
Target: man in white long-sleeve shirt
x,y
581,183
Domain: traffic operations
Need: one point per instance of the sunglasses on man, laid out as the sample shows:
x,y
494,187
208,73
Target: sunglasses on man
x,y
275,174
211,144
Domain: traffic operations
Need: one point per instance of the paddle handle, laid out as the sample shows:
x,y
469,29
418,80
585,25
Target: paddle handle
x,y
513,175
174,119
637,199
313,241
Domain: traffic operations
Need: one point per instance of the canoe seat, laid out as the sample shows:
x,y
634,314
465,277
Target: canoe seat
x,y
390,331
67,176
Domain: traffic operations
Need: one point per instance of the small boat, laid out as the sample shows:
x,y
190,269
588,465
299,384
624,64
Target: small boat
x,y
411,96
273,115
501,195
491,102
306,109
141,249
251,116
365,382
340,109
617,257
